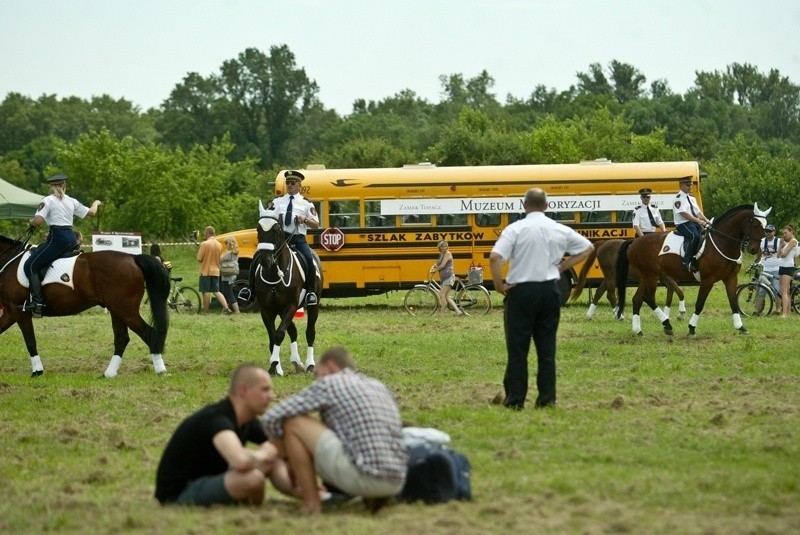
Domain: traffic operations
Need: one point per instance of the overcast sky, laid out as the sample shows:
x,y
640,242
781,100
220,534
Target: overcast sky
x,y
372,49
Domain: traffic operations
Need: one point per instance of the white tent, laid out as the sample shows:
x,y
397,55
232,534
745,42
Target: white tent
x,y
16,203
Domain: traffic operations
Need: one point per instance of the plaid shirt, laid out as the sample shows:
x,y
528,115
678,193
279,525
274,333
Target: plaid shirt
x,y
362,413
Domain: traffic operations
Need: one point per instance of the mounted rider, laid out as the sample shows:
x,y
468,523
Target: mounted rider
x,y
57,210
689,222
296,214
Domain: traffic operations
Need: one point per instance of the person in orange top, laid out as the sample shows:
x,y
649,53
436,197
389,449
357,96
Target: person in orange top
x,y
208,256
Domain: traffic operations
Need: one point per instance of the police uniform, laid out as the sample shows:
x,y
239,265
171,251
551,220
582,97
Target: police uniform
x,y
690,230
647,216
58,214
534,246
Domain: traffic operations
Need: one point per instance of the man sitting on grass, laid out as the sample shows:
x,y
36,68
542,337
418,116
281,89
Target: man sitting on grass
x,y
206,462
358,445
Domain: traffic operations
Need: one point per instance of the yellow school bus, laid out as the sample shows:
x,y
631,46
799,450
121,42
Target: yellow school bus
x,y
379,227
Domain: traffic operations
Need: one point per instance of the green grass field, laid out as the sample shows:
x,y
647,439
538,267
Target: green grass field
x,y
651,434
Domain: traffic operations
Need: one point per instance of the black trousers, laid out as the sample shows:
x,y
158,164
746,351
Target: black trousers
x,y
532,312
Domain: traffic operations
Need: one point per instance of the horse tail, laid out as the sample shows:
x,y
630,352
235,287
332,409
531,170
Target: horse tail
x,y
156,279
622,276
587,265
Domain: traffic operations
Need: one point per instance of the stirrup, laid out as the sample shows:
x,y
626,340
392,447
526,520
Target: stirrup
x,y
311,299
37,310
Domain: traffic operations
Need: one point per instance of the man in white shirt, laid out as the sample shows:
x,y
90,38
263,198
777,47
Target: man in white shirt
x,y
646,217
689,222
768,256
535,247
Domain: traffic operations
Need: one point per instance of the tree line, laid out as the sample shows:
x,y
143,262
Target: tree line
x,y
210,150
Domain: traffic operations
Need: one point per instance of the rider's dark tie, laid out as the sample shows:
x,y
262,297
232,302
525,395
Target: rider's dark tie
x,y
288,219
691,205
650,215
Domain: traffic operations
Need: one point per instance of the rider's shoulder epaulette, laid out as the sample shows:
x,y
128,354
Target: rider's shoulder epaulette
x,y
653,206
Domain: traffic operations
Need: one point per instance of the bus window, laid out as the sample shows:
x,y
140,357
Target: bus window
x,y
516,217
373,217
451,220
417,219
487,220
596,217
562,216
624,216
344,214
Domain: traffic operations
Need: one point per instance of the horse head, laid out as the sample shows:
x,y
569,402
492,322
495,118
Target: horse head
x,y
270,233
744,225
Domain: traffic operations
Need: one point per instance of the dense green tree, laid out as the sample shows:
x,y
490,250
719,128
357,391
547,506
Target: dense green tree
x,y
745,172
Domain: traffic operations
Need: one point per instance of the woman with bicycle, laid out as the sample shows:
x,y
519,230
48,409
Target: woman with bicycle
x,y
787,254
444,265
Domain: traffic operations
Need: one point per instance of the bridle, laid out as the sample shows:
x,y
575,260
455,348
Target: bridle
x,y
741,243
273,255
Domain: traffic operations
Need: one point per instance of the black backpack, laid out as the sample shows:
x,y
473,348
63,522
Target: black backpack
x,y
436,474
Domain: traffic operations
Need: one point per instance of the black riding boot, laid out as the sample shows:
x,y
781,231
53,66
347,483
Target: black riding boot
x,y
35,283
688,259
311,297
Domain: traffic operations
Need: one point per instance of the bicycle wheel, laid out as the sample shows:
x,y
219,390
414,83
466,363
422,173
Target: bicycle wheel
x,y
474,300
421,301
187,301
795,295
746,295
243,294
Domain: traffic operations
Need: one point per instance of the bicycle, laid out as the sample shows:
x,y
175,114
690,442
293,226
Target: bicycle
x,y
181,299
747,293
470,297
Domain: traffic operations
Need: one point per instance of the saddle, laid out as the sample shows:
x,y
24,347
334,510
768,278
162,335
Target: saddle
x,y
60,271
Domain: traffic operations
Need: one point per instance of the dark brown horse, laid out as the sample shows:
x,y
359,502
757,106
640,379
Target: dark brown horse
x,y
606,253
108,279
279,290
738,229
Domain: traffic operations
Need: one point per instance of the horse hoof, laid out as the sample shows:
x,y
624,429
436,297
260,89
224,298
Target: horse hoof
x,y
640,333
37,373
310,368
743,330
668,332
298,368
691,330
275,368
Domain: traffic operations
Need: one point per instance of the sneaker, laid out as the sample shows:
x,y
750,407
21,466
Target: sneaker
x,y
227,311
311,299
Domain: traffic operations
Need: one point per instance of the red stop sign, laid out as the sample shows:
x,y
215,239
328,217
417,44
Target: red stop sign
x,y
332,239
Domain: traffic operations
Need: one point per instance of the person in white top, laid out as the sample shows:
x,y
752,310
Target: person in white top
x,y
535,247
298,214
57,210
787,255
689,222
768,257
646,217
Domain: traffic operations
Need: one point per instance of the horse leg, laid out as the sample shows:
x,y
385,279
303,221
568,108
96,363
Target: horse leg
x,y
593,303
730,288
121,340
275,340
702,295
646,293
311,335
294,353
25,323
673,288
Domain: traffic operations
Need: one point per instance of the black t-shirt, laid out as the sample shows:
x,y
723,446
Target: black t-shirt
x,y
190,453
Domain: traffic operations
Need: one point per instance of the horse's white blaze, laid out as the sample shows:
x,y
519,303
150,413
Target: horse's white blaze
x,y
113,367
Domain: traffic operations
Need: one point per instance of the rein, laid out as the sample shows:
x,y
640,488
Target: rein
x,y
274,257
17,248
742,243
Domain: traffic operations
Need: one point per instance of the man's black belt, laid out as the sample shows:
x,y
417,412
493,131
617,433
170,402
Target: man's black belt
x,y
61,227
536,282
